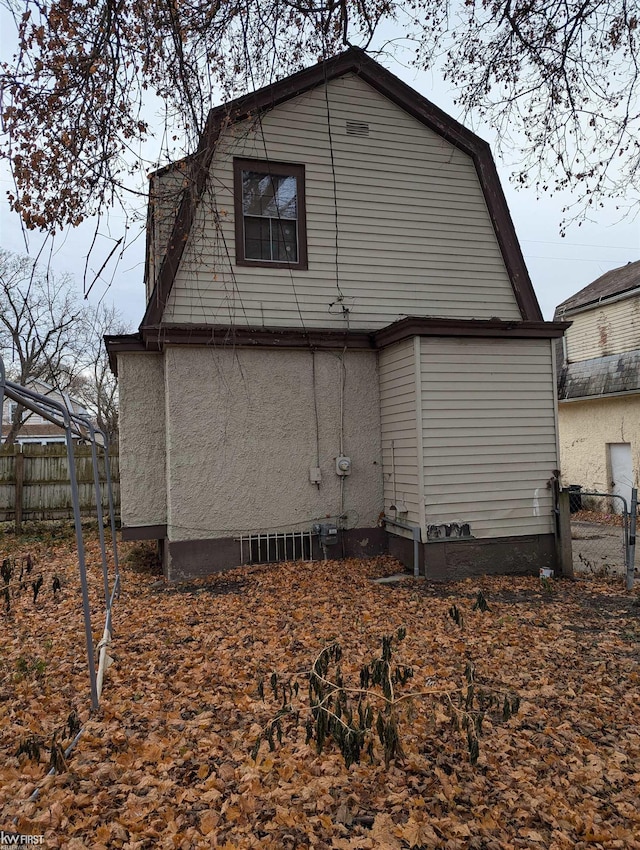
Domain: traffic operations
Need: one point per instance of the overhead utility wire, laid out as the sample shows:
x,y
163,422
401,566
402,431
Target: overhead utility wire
x,y
249,65
335,186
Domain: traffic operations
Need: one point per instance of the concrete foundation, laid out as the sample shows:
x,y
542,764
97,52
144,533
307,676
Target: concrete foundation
x,y
452,560
189,559
445,560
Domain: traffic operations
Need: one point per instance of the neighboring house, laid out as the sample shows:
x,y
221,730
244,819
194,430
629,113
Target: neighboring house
x,y
599,384
37,429
340,325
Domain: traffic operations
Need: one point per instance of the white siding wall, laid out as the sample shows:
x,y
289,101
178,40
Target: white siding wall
x,y
489,434
400,465
415,237
609,329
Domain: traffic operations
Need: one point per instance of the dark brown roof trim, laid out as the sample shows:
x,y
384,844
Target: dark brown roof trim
x,y
178,239
143,532
117,343
156,339
431,116
178,165
491,328
357,62
169,166
248,337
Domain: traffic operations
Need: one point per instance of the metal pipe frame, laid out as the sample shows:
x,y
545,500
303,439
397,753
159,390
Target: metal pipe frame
x,y
85,422
606,496
43,406
75,424
631,549
82,424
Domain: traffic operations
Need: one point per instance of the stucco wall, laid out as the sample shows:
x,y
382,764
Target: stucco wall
x,y
586,427
241,437
143,485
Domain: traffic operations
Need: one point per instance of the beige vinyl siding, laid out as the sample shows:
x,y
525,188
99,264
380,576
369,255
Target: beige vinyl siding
x,y
165,193
607,329
414,233
489,434
400,465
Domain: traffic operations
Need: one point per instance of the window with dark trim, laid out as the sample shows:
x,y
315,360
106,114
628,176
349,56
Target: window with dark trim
x,y
270,214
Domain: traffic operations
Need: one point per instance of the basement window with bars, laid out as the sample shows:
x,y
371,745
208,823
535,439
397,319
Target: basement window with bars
x,y
269,201
274,547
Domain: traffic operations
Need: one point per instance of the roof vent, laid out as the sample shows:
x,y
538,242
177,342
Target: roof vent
x,y
357,128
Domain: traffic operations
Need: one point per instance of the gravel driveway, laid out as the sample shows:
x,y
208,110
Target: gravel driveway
x,y
597,548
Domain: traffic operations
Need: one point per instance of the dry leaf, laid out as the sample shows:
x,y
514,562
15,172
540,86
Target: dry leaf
x,y
419,834
166,761
384,833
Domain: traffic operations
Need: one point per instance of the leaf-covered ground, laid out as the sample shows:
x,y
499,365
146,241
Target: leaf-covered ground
x,y
166,760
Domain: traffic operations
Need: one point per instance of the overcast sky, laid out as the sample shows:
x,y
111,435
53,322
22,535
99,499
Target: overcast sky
x,y
558,266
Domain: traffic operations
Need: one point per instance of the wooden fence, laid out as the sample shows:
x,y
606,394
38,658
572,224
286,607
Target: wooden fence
x,y
34,482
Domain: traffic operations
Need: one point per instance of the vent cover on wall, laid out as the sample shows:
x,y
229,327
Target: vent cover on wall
x,y
357,128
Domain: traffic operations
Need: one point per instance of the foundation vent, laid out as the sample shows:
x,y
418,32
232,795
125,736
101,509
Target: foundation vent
x,y
357,128
273,547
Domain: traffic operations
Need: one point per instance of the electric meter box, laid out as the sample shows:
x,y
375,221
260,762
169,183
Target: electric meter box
x,y
343,465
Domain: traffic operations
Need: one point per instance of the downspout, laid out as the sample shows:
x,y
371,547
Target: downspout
x,y
417,369
3,378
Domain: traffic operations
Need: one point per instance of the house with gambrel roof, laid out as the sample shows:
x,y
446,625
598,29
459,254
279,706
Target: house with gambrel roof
x,y
340,331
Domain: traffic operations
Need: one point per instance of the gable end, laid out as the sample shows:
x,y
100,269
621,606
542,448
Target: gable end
x,y
357,62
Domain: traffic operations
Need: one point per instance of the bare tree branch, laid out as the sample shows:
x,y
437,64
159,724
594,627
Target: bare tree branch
x,y
97,386
47,334
558,78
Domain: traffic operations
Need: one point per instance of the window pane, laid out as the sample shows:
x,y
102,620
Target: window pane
x,y
269,195
285,243
257,238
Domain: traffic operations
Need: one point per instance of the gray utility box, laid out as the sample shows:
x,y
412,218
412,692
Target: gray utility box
x,y
327,532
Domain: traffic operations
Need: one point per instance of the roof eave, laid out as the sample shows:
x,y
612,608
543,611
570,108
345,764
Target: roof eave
x,y
119,343
594,303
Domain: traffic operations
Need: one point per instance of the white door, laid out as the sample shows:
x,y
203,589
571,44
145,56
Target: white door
x,y
621,473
